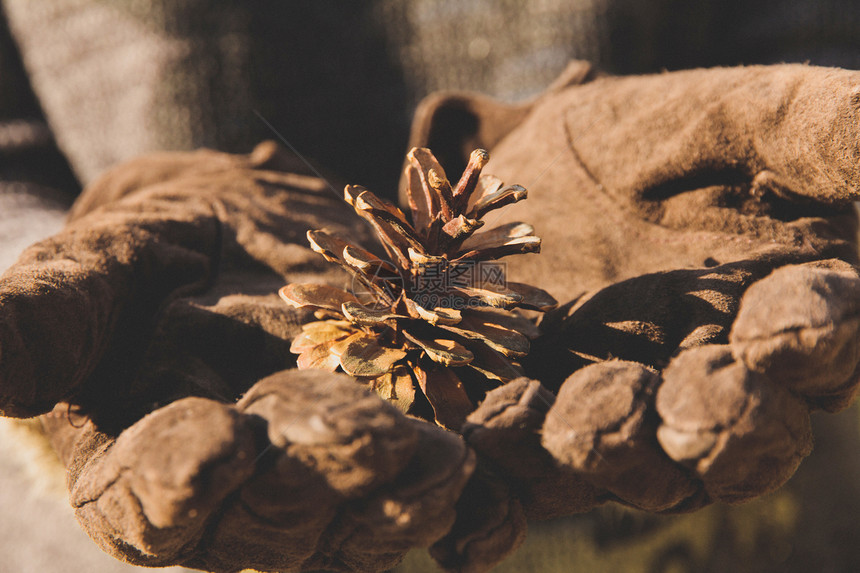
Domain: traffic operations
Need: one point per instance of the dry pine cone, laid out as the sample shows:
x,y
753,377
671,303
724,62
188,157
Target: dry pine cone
x,y
436,315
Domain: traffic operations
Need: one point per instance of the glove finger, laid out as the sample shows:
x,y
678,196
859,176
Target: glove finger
x,y
347,482
505,431
415,510
644,319
156,168
650,317
308,471
147,496
800,327
353,439
148,170
490,526
741,435
603,425
66,297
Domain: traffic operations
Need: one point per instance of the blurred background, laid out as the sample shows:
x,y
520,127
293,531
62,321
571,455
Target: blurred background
x,y
86,84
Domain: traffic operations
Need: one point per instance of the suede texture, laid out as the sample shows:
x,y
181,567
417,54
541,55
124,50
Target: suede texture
x,y
152,321
697,227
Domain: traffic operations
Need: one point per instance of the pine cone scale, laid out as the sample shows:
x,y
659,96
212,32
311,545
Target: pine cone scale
x,y
437,317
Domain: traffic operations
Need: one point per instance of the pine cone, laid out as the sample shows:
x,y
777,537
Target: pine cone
x,y
436,315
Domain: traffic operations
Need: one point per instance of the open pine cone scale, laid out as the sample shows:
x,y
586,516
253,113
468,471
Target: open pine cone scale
x,y
438,315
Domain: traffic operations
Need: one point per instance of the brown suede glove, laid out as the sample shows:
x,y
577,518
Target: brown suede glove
x,y
700,225
153,319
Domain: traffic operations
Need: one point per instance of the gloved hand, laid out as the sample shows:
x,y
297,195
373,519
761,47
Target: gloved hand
x,y
153,320
158,300
700,225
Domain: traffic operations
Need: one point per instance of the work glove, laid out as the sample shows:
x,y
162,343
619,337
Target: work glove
x,y
149,335
152,320
699,230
